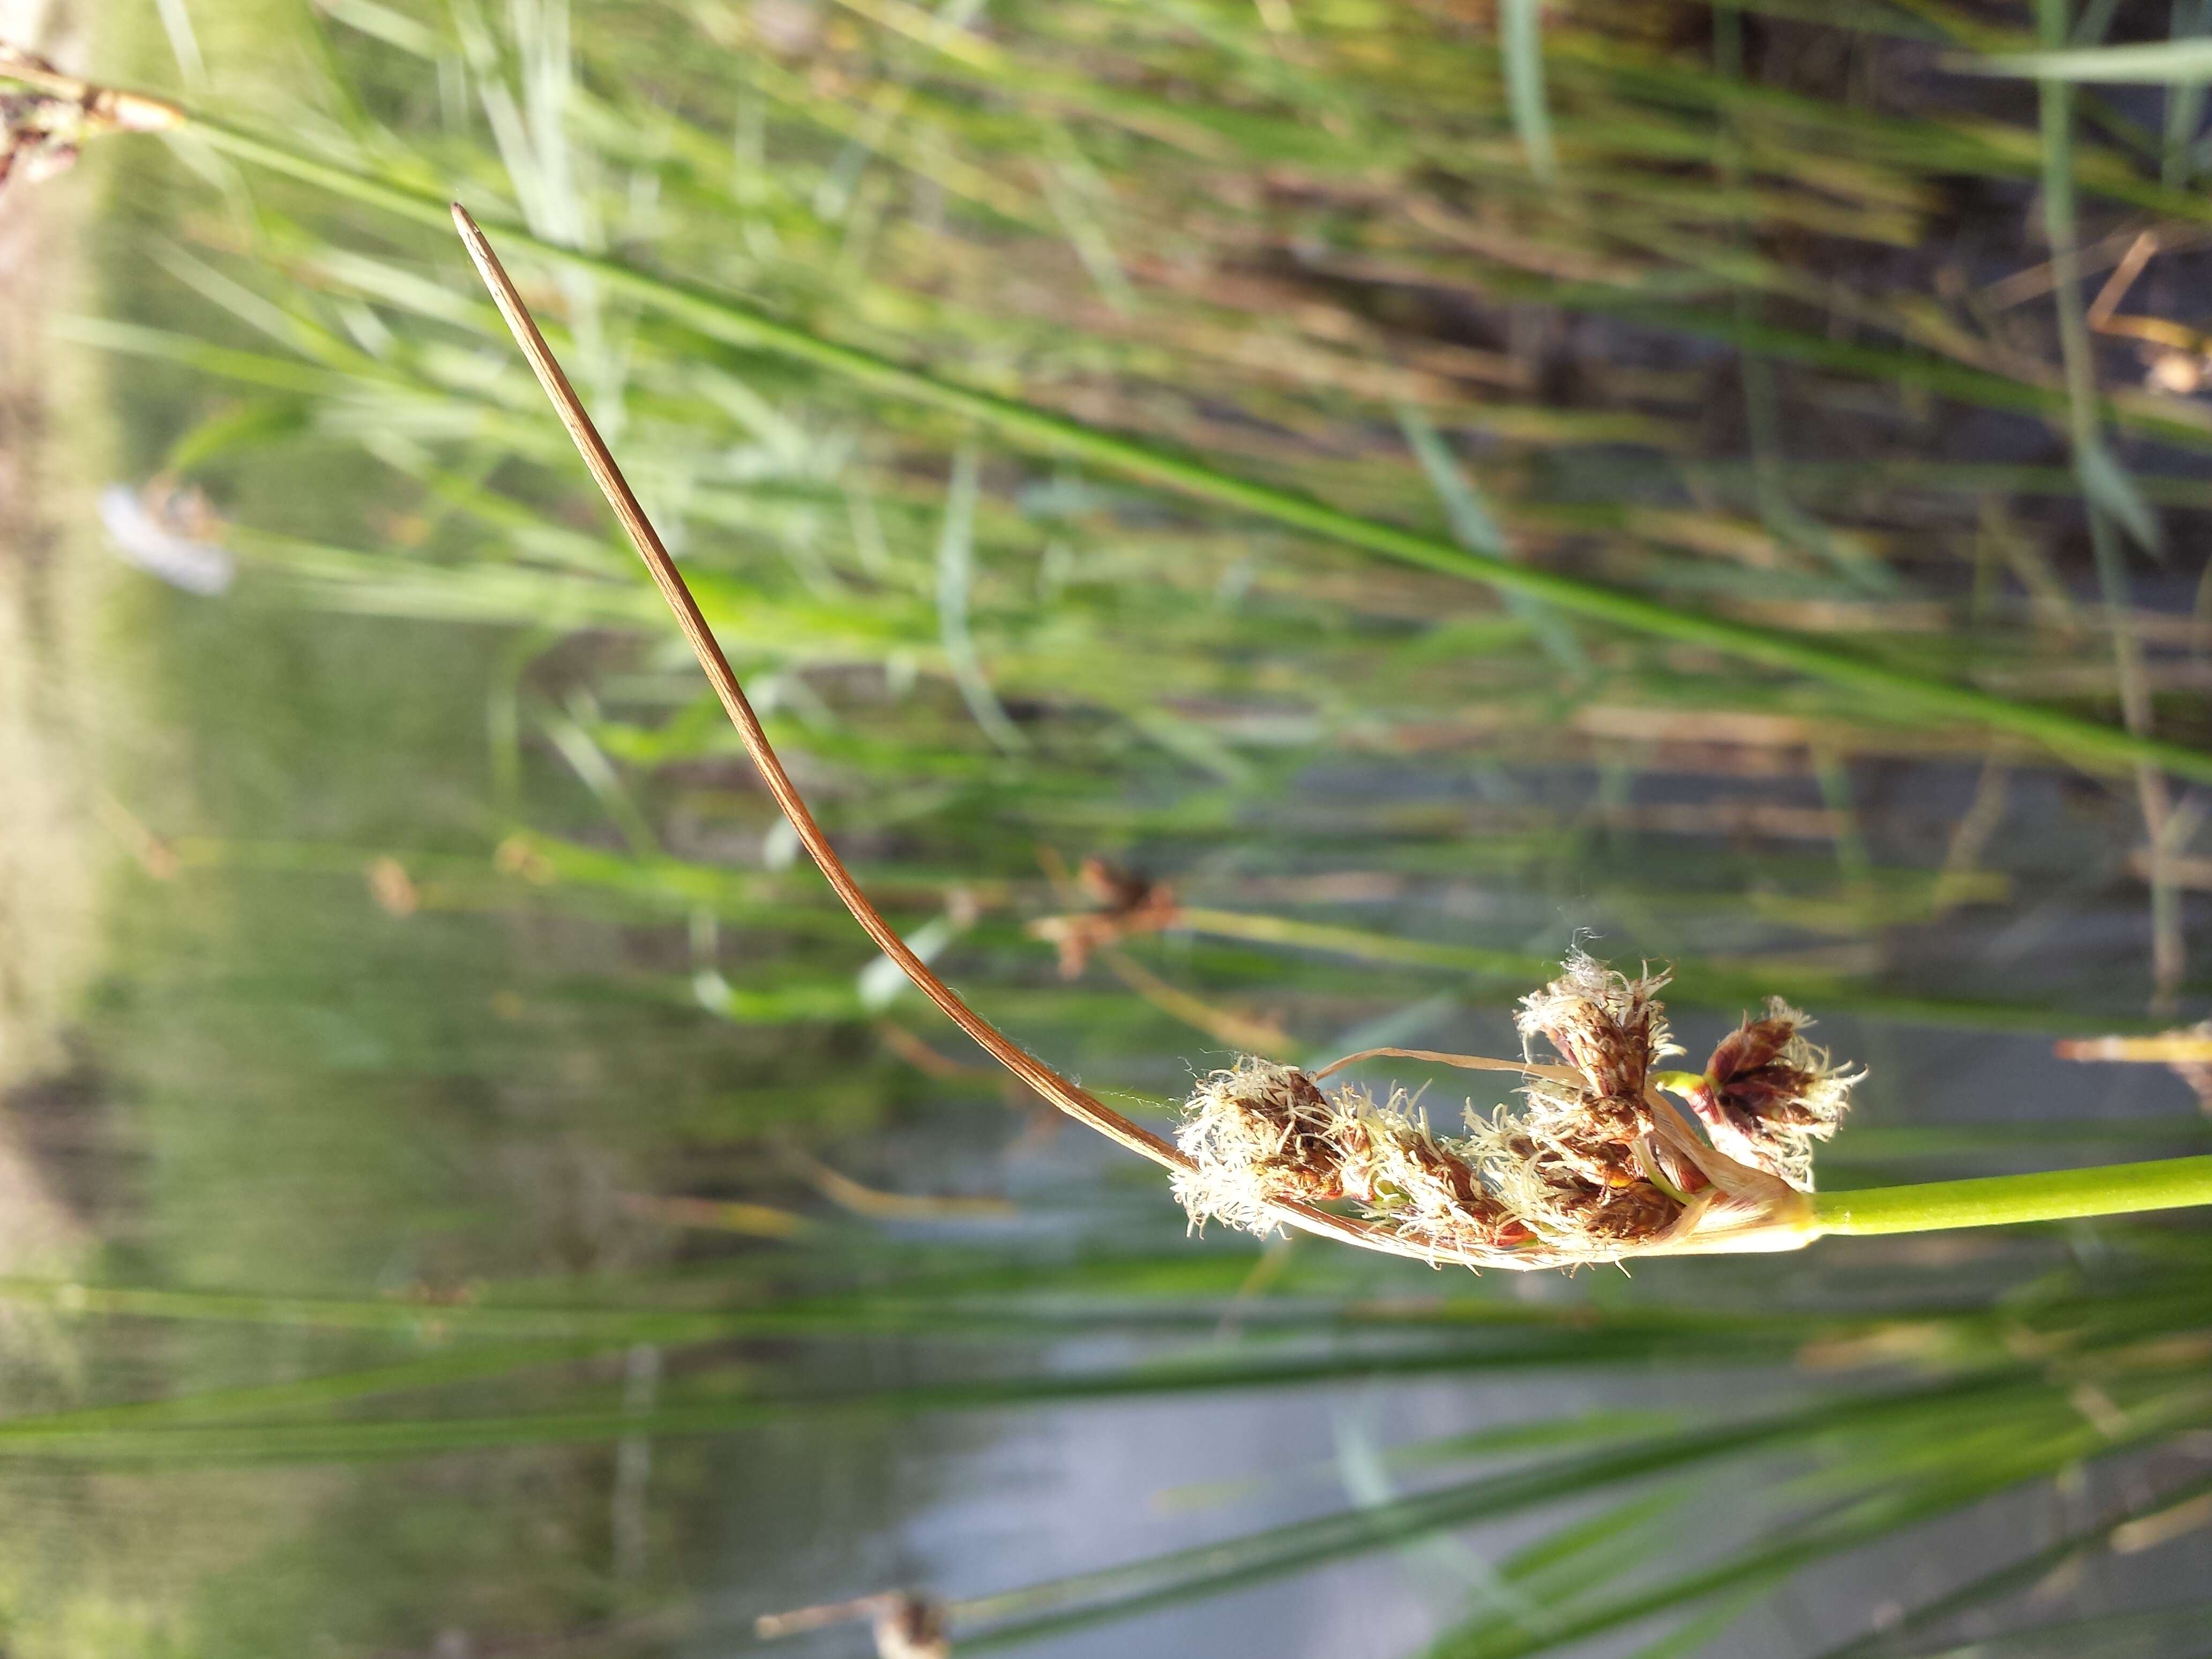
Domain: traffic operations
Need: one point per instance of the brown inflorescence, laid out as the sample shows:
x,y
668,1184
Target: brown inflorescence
x,y
1594,1165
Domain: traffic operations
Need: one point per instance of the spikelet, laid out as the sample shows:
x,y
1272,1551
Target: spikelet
x,y
1577,1165
1254,1135
1607,1026
1261,1132
1767,1097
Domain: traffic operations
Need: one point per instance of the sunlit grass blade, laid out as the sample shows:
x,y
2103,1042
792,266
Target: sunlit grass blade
x,y
2155,63
1521,53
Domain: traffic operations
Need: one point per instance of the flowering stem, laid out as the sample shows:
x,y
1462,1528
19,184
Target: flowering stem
x,y
1998,1201
1049,1084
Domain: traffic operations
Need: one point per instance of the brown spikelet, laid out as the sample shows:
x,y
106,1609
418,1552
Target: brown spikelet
x,y
1255,1133
1261,1132
1768,1096
1580,1168
1607,1026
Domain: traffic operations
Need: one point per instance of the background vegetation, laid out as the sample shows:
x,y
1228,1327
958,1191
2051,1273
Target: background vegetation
x,y
521,1217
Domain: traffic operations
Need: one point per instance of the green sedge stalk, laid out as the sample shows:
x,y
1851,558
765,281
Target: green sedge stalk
x,y
2169,1183
725,317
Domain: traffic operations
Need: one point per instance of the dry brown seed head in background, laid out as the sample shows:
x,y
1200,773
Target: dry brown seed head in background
x,y
46,115
1128,904
911,1626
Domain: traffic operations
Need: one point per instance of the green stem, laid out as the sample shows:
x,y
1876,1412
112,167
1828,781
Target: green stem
x,y
2000,1201
731,321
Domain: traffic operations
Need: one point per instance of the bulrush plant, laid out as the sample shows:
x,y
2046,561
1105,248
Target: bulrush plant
x,y
1598,1163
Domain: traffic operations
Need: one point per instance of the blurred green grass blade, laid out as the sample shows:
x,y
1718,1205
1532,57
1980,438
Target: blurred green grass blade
x,y
461,1363
1521,54
1882,1515
2163,418
1541,1434
2109,487
956,577
1565,1548
591,765
2184,100
1080,199
417,1320
386,23
1476,530
1013,1618
2154,62
2020,1575
1696,1633
227,362
1590,1551
723,317
257,425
